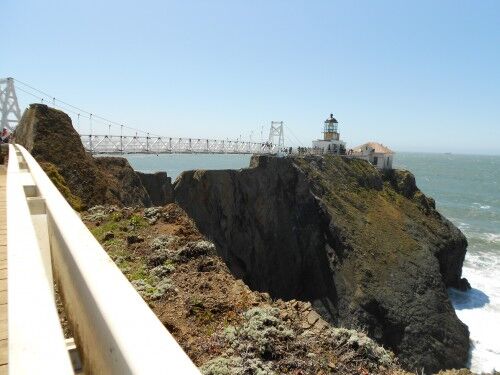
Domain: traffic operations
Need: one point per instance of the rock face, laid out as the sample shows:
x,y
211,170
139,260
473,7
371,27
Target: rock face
x,y
223,326
269,234
127,186
369,250
159,187
49,136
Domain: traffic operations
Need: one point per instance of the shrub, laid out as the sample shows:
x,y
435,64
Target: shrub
x,y
236,365
262,332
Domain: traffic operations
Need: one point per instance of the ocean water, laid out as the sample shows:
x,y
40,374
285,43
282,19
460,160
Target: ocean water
x,y
175,164
466,190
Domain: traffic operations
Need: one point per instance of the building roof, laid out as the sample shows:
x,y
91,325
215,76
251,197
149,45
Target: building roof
x,y
331,119
378,148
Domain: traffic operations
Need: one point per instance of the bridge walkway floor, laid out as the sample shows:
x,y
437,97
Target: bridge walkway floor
x,y
3,272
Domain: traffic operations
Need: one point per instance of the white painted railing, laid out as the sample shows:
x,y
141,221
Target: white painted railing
x,y
114,144
36,340
115,331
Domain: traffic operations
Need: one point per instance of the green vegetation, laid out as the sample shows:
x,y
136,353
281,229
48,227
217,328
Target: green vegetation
x,y
347,341
137,221
225,328
262,329
262,336
106,227
367,209
60,183
113,226
235,365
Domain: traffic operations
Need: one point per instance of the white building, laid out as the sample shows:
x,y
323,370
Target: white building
x,y
375,153
331,143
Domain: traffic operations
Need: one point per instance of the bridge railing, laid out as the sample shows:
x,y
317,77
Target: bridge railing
x,y
113,144
115,330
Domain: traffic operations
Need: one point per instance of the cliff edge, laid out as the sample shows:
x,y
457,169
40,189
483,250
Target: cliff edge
x,y
368,249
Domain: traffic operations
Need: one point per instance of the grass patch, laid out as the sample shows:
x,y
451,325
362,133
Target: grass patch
x,y
137,221
108,226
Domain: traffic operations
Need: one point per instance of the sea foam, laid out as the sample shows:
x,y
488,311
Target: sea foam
x,y
479,308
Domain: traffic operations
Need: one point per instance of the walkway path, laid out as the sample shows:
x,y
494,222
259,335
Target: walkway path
x,y
3,273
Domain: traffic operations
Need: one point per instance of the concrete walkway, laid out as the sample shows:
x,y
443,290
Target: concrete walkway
x,y
4,349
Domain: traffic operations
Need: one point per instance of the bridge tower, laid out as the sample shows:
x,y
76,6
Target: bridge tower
x,y
276,131
10,112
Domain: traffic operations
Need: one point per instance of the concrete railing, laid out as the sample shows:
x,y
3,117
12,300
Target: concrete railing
x,y
36,340
115,330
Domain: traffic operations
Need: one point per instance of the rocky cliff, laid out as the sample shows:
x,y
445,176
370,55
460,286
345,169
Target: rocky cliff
x,y
84,180
158,186
223,326
124,183
368,249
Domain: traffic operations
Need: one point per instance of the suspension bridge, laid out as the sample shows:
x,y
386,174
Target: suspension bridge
x,y
43,237
130,140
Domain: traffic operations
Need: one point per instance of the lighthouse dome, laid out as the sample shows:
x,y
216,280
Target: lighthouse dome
x,y
331,119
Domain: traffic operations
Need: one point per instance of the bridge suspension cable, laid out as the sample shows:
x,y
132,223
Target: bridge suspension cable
x,y
293,135
102,139
96,118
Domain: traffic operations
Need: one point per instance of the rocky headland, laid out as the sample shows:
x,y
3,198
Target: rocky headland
x,y
298,248
368,249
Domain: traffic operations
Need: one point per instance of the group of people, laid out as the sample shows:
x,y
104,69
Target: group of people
x,y
303,150
5,136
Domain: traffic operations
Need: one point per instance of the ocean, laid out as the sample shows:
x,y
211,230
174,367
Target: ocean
x,y
467,191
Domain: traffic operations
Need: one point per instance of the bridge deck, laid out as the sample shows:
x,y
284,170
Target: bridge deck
x,y
3,273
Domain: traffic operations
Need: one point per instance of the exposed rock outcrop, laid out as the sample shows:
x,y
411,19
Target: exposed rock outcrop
x,y
369,250
50,137
126,184
159,187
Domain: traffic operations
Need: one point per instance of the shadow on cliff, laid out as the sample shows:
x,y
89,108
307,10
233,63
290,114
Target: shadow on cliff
x,y
368,249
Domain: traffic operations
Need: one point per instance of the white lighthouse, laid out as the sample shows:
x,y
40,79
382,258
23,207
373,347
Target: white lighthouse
x,y
331,143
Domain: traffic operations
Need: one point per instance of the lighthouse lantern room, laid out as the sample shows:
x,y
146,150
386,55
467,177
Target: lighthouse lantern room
x,y
331,142
330,130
